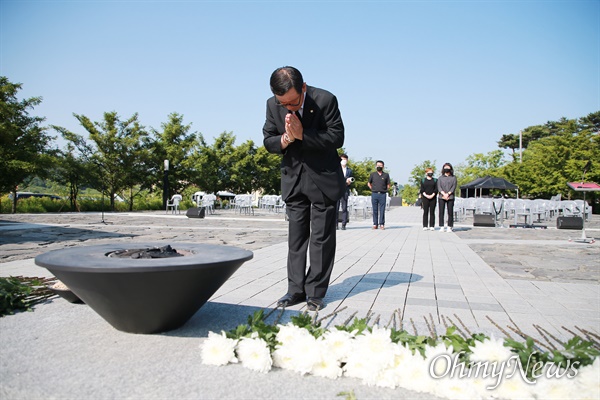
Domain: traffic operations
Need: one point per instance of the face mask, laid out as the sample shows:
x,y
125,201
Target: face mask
x,y
344,162
430,174
447,171
379,169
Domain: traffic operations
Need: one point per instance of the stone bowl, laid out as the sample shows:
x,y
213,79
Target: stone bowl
x,y
145,295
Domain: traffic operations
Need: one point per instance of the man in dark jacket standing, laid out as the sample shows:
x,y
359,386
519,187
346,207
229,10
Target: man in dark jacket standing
x,y
379,183
305,125
343,202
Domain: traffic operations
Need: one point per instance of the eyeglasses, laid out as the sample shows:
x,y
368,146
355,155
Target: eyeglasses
x,y
290,104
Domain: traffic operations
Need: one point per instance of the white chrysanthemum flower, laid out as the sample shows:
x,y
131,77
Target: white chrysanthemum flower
x,y
387,378
338,342
553,388
290,333
439,359
357,367
376,346
587,381
453,387
282,358
372,352
390,377
402,354
413,374
491,350
481,384
328,365
285,354
303,353
254,354
437,350
218,349
513,387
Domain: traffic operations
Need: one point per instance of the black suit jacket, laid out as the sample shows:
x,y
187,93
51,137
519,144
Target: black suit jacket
x,y
316,153
349,174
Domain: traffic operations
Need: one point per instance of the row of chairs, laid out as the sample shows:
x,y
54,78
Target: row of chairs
x,y
272,203
363,205
537,210
357,205
204,200
242,203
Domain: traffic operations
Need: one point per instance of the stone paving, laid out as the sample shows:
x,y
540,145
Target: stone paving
x,y
403,275
421,280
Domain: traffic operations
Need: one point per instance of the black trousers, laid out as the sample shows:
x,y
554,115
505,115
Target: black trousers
x,y
428,206
312,220
343,203
450,205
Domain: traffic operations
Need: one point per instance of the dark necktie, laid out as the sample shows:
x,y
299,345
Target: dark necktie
x,y
298,115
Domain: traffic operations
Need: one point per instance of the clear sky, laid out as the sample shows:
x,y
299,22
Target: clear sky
x,y
415,80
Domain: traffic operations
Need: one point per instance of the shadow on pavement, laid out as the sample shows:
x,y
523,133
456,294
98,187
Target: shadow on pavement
x,y
17,233
219,317
361,283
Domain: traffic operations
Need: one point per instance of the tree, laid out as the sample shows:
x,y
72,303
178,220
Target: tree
x,y
243,165
509,141
591,122
176,144
267,172
24,144
410,193
418,172
528,135
72,171
118,151
479,165
361,170
552,161
223,166
214,171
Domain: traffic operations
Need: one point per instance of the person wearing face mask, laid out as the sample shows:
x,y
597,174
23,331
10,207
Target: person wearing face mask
x,y
379,183
446,186
428,194
343,201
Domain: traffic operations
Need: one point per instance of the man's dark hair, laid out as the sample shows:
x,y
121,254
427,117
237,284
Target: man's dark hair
x,y
285,78
344,156
379,161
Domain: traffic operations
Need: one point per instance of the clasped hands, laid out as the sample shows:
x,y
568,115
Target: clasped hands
x,y
293,129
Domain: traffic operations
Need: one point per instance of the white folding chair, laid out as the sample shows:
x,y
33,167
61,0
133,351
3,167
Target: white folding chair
x,y
523,208
360,205
174,204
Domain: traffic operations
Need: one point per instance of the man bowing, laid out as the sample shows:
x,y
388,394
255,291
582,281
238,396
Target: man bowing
x,y
304,124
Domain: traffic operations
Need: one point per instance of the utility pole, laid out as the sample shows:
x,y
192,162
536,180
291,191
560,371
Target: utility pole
x,y
520,146
166,184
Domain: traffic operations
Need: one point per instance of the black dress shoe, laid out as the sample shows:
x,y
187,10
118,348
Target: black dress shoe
x,y
343,227
291,300
315,303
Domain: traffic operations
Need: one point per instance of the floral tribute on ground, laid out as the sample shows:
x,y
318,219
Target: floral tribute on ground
x,y
451,365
